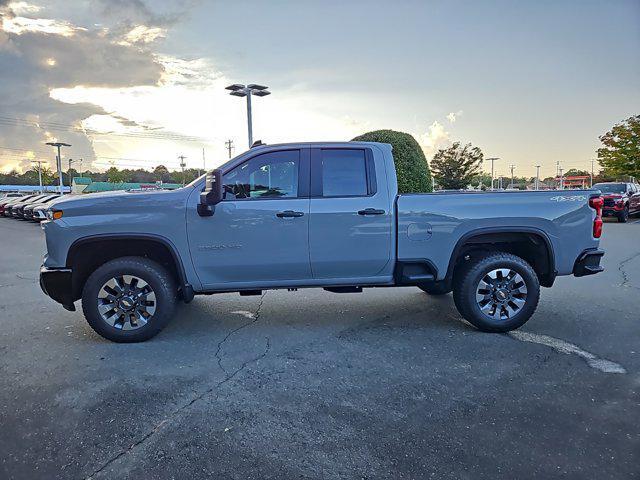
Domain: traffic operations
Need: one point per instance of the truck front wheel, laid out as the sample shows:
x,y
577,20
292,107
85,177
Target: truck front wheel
x,y
129,299
497,292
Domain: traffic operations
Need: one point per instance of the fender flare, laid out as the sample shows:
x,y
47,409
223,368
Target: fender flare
x,y
488,230
185,287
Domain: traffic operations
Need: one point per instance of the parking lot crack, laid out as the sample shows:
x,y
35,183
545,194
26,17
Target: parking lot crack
x,y
254,318
229,375
561,346
622,268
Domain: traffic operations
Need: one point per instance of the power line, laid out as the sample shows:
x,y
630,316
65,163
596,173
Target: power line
x,y
56,126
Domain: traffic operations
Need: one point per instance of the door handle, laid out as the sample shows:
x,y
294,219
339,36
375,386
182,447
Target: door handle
x,y
289,214
371,211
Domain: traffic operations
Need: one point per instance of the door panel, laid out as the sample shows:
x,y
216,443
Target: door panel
x,y
343,242
260,232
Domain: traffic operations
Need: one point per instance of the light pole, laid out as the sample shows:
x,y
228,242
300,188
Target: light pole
x,y
240,90
39,162
182,165
59,161
512,166
492,159
592,162
537,177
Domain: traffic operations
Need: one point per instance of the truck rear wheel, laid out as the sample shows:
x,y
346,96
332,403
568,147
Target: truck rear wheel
x,y
497,293
129,299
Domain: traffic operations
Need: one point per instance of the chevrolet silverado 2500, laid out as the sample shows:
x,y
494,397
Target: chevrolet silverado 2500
x,y
312,215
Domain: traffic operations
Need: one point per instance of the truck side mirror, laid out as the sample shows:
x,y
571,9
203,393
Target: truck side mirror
x,y
212,194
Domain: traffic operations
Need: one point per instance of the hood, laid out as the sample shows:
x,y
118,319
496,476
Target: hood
x,y
119,201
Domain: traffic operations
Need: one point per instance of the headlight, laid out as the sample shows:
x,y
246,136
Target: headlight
x,y
54,214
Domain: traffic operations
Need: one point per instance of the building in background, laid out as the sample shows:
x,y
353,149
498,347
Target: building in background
x,y
78,184
94,187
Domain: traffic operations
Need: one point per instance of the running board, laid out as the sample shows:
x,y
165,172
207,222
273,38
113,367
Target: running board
x,y
343,289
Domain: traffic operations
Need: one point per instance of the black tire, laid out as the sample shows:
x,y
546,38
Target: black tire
x,y
623,216
467,282
157,277
435,288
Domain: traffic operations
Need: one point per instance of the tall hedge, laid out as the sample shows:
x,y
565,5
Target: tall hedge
x,y
411,164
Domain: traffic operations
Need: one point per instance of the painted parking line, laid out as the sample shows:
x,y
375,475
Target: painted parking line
x,y
561,346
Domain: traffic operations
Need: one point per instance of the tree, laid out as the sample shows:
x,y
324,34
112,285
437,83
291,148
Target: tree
x,y
575,172
116,176
620,153
456,166
411,165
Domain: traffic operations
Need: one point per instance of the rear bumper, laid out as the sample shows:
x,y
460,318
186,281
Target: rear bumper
x,y
588,263
56,283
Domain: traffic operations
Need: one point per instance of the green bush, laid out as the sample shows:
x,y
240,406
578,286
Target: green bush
x,y
411,165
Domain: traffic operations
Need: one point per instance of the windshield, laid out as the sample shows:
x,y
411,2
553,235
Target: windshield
x,y
611,187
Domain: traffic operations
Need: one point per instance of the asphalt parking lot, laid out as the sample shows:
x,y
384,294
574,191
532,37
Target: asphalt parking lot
x,y
385,384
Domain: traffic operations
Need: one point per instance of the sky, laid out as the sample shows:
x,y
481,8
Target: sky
x,y
138,83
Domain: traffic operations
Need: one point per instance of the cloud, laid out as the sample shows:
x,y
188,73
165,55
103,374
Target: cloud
x,y
22,8
141,34
453,116
20,25
435,138
38,55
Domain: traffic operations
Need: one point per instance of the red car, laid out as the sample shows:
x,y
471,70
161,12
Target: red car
x,y
620,199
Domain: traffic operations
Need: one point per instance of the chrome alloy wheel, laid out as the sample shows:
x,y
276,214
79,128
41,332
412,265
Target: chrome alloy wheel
x,y
501,294
126,302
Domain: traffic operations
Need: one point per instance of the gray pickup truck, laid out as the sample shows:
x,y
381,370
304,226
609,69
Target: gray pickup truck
x,y
312,215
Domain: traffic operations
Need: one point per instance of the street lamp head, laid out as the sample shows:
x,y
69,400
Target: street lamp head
x,y
238,93
234,87
255,86
261,93
58,144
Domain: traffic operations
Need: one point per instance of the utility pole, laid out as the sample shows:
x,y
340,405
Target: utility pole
x,y
512,166
182,165
561,178
240,90
537,177
59,161
229,145
492,159
39,162
592,162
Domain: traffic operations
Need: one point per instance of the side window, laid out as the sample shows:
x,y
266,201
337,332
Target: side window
x,y
270,175
344,173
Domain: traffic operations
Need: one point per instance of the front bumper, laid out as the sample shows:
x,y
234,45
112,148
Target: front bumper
x,y
56,283
588,263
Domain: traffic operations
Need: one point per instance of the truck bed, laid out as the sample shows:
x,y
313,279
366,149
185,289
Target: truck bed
x,y
428,222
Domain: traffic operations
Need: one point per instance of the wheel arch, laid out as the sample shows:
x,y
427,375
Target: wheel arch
x,y
88,253
530,243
